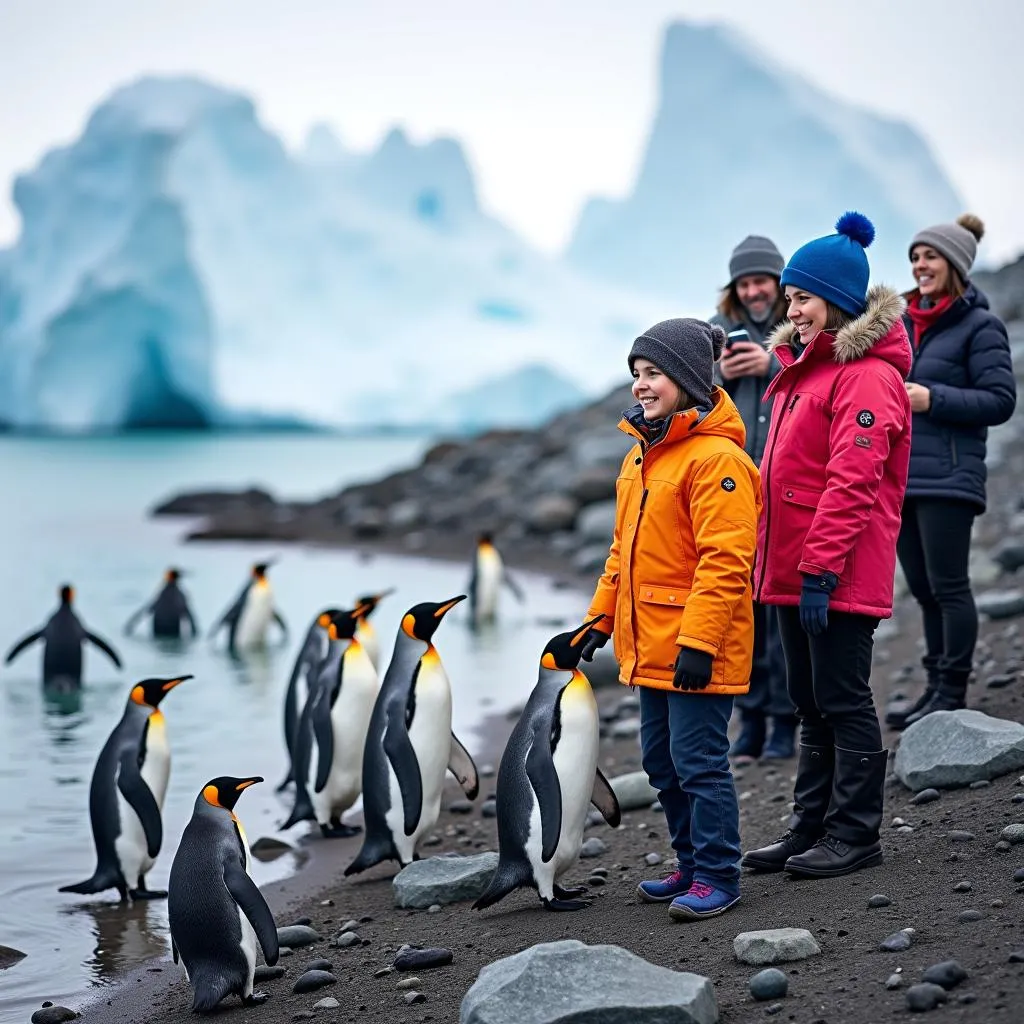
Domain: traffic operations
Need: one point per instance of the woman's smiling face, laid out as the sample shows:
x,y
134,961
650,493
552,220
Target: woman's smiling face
x,y
657,393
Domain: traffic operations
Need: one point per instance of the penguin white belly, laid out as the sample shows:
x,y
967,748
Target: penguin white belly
x,y
368,640
488,582
248,943
350,722
431,738
130,846
254,619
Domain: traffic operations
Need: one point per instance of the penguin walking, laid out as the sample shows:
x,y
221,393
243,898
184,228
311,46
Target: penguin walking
x,y
250,616
410,744
488,575
311,653
333,727
63,636
547,779
365,633
126,795
169,610
216,912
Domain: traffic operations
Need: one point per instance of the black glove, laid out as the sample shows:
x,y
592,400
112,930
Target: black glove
x,y
596,640
693,669
814,598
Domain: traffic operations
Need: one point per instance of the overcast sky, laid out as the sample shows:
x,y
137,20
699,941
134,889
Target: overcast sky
x,y
552,99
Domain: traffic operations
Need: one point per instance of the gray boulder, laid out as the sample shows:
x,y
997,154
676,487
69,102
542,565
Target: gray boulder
x,y
774,946
597,984
633,791
1001,604
955,748
551,513
439,880
597,522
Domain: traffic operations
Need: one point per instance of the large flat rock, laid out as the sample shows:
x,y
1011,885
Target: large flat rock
x,y
955,748
569,982
440,880
774,946
633,791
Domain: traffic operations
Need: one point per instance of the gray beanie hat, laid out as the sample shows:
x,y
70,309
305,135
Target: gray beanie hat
x,y
685,350
755,255
958,242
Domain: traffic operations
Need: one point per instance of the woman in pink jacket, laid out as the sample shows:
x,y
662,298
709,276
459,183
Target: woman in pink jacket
x,y
833,476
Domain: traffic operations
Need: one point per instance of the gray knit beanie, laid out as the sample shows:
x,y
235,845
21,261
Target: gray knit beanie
x,y
958,242
755,255
685,350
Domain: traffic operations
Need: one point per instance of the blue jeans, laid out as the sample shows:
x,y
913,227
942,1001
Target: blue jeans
x,y
685,747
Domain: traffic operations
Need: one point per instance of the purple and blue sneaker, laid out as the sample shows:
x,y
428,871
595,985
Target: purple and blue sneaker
x,y
701,901
665,889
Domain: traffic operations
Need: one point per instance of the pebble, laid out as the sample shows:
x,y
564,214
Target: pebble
x,y
894,981
415,997
966,916
593,847
327,1003
879,901
774,1009
770,983
1013,834
1017,957
926,796
1003,846
346,939
421,959
384,972
980,784
319,965
653,859
997,904
461,807
297,935
948,974
966,998
348,926
997,682
962,887
432,840
53,1015
957,835
434,908
1017,798
265,973
312,980
596,881
905,830
896,822
1018,875
408,983
924,997
897,942
487,771
489,809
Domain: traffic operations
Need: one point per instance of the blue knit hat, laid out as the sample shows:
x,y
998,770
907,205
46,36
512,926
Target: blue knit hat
x,y
835,268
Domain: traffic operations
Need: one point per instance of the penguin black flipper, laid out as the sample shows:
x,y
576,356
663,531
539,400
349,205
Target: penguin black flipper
x,y
462,766
174,950
102,644
399,749
323,730
24,642
279,619
604,799
230,617
513,585
540,769
471,590
134,620
141,800
251,902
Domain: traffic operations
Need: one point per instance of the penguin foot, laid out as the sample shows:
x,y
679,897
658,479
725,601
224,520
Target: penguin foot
x,y
340,831
558,904
148,894
255,999
568,894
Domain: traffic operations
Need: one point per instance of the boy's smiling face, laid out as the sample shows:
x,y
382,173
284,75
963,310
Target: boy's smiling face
x,y
657,393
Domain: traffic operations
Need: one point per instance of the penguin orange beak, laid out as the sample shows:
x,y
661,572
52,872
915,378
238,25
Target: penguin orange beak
x,y
172,683
448,606
584,630
249,782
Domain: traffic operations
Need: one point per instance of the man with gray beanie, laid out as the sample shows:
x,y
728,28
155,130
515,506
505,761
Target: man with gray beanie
x,y
750,307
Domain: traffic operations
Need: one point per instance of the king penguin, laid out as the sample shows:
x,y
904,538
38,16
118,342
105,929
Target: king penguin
x,y
169,609
547,779
126,795
488,575
365,633
410,744
63,636
331,734
311,653
250,616
216,912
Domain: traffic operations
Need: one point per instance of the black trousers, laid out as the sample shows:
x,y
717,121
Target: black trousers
x,y
934,549
768,694
829,680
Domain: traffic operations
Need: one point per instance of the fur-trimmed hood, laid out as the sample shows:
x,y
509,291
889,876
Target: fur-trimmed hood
x,y
878,330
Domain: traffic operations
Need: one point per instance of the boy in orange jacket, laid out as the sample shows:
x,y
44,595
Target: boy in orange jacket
x,y
676,596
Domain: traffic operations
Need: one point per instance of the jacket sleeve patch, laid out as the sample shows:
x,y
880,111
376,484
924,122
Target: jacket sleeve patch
x,y
861,441
866,418
728,484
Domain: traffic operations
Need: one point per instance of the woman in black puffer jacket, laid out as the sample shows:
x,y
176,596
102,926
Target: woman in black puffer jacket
x,y
961,384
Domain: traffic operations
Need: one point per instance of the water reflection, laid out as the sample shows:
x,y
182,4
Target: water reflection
x,y
62,701
125,935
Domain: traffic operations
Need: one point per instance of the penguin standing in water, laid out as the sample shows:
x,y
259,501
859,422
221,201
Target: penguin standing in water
x,y
488,575
333,727
410,744
311,653
126,795
365,633
217,914
169,610
250,616
63,636
547,780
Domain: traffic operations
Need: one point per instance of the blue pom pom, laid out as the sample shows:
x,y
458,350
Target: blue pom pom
x,y
856,227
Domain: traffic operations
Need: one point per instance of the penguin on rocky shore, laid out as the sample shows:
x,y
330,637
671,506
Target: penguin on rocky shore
x,y
126,795
547,779
365,633
410,744
250,616
63,637
169,610
216,912
487,577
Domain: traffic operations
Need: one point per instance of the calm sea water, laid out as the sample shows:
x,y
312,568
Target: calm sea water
x,y
74,511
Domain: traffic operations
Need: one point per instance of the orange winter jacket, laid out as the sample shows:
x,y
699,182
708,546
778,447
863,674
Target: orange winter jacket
x,y
680,566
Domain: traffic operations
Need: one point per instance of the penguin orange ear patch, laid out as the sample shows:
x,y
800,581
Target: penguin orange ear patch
x,y
211,795
548,660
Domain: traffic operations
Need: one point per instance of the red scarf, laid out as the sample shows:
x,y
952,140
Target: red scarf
x,y
922,319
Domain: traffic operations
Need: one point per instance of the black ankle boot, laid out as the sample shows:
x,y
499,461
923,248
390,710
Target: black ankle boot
x,y
950,695
811,794
898,719
853,820
750,741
